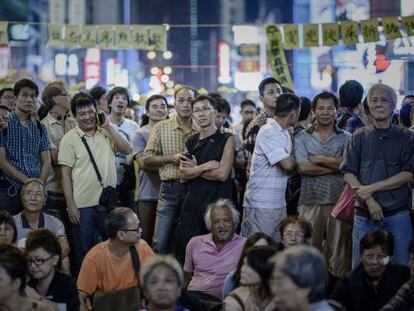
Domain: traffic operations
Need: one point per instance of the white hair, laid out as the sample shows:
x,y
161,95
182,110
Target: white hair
x,y
378,86
221,203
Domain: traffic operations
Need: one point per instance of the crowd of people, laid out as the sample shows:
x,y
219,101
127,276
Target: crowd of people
x,y
179,209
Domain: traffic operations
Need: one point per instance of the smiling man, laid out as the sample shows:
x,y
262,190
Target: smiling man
x,y
209,258
80,182
24,147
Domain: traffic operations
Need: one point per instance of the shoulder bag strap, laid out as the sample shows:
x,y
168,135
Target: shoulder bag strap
x,y
238,299
135,260
92,160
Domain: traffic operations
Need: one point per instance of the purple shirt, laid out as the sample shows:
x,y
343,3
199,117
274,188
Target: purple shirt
x,y
210,266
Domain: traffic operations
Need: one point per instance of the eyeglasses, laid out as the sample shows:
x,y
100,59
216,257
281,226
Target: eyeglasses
x,y
205,109
132,230
38,261
297,235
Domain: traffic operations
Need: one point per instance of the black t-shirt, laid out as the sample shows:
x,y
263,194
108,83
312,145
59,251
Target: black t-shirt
x,y
201,191
356,293
62,290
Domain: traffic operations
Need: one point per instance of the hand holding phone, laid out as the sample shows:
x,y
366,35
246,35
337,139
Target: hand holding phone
x,y
100,118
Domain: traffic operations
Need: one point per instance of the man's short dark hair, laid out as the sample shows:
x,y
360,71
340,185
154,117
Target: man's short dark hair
x,y
117,220
350,94
265,82
187,87
305,108
14,263
381,238
5,89
204,97
25,83
286,103
81,100
43,238
247,102
222,105
152,98
97,92
117,90
324,95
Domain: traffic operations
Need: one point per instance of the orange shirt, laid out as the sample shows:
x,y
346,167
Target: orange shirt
x,y
102,271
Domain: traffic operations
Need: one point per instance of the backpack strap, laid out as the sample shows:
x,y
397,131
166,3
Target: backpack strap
x,y
135,260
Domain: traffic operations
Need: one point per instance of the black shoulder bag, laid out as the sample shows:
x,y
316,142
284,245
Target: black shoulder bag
x,y
126,299
109,197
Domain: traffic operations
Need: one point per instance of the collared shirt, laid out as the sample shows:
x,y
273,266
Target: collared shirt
x,y
24,145
373,155
56,130
73,153
126,129
324,189
251,133
168,138
45,221
348,120
266,186
210,266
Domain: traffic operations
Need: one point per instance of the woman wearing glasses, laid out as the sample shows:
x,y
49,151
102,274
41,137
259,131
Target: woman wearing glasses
x,y
294,231
13,272
44,258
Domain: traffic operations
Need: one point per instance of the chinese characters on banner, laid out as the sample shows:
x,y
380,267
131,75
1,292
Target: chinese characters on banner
x,y
280,67
143,37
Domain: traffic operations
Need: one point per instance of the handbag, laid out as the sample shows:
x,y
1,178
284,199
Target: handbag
x,y
344,207
126,299
109,197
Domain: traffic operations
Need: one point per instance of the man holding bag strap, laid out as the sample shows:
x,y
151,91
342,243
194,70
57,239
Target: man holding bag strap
x,y
81,185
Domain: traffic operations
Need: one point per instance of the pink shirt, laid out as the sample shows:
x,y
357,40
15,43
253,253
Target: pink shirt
x,y
210,266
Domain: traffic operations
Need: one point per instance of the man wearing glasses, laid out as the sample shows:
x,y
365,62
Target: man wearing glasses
x,y
58,121
108,265
164,149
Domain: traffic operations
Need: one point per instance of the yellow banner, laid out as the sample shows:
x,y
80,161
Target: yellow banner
x,y
88,36
408,22
55,35
291,36
277,57
149,37
310,35
123,37
330,34
349,32
4,39
391,27
105,39
72,36
369,30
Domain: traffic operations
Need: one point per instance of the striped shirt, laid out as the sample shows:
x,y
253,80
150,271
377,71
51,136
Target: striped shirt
x,y
168,138
324,189
24,145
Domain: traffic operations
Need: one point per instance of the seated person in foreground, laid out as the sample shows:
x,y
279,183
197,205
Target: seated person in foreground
x,y
209,258
373,283
108,265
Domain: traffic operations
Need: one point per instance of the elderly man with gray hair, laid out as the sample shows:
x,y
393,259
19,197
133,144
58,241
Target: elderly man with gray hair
x,y
209,258
378,164
298,280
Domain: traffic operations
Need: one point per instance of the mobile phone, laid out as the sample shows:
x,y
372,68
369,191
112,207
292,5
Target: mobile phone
x,y
100,118
187,155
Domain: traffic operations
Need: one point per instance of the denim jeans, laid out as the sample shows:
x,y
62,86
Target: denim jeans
x,y
170,199
88,233
10,200
398,224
